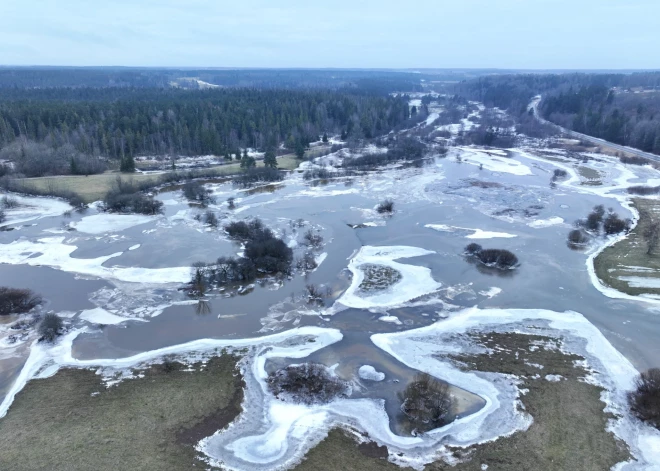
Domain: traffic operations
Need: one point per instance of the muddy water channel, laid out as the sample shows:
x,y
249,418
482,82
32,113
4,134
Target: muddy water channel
x,y
135,270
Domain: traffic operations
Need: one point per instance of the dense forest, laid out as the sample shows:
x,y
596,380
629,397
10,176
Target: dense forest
x,y
621,108
126,77
118,122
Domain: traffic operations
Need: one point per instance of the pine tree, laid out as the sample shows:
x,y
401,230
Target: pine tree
x,y
73,167
325,138
300,150
270,160
248,163
127,164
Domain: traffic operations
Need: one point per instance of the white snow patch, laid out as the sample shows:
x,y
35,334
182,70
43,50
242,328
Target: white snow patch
x,y
134,247
541,223
101,316
641,281
553,378
369,373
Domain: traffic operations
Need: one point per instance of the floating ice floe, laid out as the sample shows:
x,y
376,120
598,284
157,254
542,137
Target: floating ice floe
x,y
102,223
414,281
101,316
541,223
390,319
476,233
491,292
369,373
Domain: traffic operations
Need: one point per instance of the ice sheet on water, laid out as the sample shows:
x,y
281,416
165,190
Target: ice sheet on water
x,y
54,252
101,223
31,208
414,282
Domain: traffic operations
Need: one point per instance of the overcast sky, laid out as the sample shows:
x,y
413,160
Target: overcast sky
x,y
534,34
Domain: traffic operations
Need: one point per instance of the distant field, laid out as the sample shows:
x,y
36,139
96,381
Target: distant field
x,y
628,258
94,187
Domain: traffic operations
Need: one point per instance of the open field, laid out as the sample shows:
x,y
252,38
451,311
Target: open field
x,y
72,422
568,431
626,266
94,187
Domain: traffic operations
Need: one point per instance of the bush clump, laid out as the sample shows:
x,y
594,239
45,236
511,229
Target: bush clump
x,y
578,237
645,398
253,176
264,254
644,190
17,301
473,249
426,403
497,258
244,231
50,327
126,197
195,191
313,239
613,224
386,206
634,160
321,173
210,219
307,383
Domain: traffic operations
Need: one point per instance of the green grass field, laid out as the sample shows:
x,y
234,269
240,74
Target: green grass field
x,y
94,187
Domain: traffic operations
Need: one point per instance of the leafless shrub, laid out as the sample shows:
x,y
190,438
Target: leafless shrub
x,y
645,398
386,206
313,239
307,262
425,402
50,327
17,301
316,294
307,383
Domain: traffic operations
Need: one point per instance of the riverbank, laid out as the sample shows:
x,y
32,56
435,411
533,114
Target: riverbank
x,y
626,266
71,421
569,428
94,187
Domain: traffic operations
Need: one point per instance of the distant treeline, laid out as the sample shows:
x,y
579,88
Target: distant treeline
x,y
621,108
118,122
118,77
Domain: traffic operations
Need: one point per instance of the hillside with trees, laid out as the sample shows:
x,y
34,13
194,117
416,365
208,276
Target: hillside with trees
x,y
621,108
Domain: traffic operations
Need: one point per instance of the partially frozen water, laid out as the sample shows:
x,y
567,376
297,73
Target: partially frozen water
x,y
115,269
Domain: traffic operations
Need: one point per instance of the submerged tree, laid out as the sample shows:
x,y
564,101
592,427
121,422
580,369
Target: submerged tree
x,y
426,403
